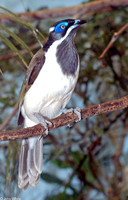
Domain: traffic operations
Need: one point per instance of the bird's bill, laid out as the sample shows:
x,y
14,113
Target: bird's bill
x,y
80,22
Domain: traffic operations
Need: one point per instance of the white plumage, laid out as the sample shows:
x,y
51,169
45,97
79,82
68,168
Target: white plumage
x,y
47,96
49,93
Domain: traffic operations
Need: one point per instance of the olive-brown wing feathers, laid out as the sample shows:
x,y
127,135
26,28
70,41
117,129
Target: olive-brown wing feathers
x,y
34,68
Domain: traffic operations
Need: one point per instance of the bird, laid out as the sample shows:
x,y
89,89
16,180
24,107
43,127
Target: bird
x,y
47,88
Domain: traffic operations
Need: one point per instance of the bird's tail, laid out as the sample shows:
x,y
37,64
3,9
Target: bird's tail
x,y
30,162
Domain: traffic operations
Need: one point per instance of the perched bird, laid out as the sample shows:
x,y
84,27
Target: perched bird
x,y
46,90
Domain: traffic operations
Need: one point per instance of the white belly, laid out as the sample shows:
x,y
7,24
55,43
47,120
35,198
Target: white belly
x,y
50,92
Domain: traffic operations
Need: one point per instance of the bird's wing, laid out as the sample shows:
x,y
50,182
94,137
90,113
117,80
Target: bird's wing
x,y
32,72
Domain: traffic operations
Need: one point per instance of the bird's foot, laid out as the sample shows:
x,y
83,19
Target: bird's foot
x,y
76,110
44,122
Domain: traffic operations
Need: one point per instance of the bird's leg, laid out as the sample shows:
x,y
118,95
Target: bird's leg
x,y
76,110
44,122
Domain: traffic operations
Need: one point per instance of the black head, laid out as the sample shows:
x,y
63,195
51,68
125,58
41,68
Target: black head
x,y
62,29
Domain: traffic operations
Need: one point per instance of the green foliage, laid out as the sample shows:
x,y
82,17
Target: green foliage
x,y
51,179
18,39
92,169
93,150
13,35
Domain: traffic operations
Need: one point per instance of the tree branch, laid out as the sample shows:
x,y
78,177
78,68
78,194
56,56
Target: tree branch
x,y
66,119
113,39
82,9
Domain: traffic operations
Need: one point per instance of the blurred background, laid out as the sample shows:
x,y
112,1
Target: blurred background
x,y
90,160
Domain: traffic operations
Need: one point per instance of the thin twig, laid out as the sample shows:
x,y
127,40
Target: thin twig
x,y
22,52
114,38
9,117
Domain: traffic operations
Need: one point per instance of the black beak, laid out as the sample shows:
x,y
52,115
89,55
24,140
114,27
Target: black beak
x,y
80,22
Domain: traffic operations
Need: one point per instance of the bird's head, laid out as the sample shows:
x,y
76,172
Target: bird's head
x,y
65,27
62,29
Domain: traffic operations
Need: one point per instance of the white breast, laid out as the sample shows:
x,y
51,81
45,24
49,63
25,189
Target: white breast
x,y
51,90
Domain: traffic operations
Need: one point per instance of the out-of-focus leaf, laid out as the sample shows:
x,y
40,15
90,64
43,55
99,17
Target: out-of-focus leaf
x,y
60,163
76,156
32,28
62,196
13,48
99,131
18,39
51,178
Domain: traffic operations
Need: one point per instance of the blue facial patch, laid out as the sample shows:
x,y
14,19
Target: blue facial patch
x,y
61,27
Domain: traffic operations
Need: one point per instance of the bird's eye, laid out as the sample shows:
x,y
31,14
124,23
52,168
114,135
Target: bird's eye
x,y
62,26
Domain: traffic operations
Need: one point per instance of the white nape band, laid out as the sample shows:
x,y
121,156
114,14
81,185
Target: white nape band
x,y
51,29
